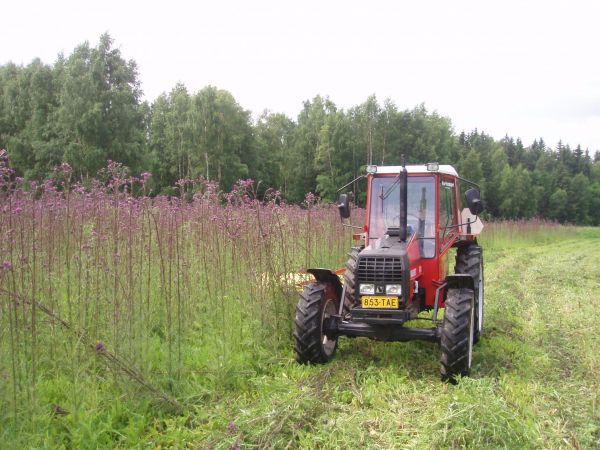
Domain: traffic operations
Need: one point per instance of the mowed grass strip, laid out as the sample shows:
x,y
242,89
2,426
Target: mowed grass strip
x,y
535,380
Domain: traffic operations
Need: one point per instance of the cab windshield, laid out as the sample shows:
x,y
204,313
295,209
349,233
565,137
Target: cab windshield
x,y
385,209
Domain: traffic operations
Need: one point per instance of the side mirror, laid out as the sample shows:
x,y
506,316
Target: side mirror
x,y
344,206
474,201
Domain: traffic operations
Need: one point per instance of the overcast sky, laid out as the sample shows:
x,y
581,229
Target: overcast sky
x,y
522,68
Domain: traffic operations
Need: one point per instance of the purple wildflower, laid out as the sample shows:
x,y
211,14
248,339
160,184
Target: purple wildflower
x,y
310,199
6,265
66,168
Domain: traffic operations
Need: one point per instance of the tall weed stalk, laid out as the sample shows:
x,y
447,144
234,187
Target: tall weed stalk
x,y
185,293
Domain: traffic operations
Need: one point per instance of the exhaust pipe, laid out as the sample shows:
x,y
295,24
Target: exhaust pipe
x,y
403,203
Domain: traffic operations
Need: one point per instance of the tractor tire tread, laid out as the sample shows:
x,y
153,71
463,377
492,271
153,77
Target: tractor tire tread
x,y
307,335
349,278
469,257
454,341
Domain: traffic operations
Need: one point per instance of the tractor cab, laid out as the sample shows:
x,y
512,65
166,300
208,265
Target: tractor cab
x,y
414,216
437,219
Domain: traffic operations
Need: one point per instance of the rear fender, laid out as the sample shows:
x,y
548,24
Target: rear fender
x,y
328,276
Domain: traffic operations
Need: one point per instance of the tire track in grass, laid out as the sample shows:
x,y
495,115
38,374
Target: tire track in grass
x,y
566,301
518,396
564,291
546,301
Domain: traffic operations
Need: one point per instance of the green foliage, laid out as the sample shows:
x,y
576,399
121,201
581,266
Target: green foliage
x,y
86,108
307,143
558,205
332,159
202,135
470,167
274,141
515,186
83,110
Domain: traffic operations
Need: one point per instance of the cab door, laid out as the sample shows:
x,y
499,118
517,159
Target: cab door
x,y
447,229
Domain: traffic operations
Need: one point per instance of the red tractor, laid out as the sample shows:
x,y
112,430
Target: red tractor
x,y
414,217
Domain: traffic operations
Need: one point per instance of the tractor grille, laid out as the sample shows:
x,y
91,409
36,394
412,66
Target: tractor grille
x,y
379,270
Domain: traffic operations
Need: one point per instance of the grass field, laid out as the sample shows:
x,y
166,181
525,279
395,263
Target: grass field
x,y
136,324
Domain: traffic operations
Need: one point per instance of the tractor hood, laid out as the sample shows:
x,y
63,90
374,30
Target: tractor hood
x,y
386,245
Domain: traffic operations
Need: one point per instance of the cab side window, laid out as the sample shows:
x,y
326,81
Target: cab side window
x,y
446,208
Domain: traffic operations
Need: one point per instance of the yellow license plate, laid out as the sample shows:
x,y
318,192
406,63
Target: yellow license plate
x,y
379,302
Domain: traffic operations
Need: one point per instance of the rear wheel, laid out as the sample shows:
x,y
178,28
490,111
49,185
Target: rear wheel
x,y
469,260
316,305
457,334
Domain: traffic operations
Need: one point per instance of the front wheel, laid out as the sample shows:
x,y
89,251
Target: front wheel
x,y
457,334
316,305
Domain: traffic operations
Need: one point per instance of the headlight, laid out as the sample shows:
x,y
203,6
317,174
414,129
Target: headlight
x,y
393,289
367,289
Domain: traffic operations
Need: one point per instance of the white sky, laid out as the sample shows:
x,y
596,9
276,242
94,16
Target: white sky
x,y
523,68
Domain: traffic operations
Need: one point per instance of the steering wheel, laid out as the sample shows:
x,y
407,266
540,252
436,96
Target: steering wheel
x,y
397,217
414,224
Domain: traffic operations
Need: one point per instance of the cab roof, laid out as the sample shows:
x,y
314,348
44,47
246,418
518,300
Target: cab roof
x,y
420,168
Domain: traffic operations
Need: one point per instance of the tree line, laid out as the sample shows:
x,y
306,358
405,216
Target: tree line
x,y
87,108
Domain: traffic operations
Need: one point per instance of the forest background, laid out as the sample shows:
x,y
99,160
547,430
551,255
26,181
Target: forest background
x,y
87,108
